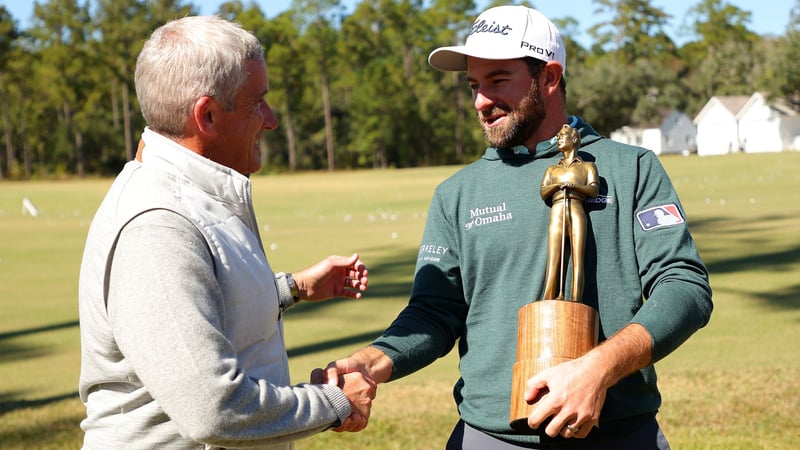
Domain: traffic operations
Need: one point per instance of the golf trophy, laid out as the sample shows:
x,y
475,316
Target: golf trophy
x,y
556,329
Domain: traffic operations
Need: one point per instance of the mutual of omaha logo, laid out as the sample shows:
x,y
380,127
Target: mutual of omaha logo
x,y
659,216
487,215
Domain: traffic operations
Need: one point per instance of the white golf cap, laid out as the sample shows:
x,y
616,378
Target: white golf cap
x,y
505,32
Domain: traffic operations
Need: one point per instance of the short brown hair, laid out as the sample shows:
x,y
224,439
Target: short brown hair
x,y
535,67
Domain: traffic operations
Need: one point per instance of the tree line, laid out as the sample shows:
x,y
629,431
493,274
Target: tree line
x,y
353,89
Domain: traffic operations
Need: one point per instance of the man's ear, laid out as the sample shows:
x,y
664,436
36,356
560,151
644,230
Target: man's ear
x,y
205,115
552,76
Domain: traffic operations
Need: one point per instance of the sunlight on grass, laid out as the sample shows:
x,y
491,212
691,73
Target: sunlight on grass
x,y
734,385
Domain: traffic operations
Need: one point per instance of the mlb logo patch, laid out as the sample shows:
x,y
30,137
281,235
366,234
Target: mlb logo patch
x,y
659,216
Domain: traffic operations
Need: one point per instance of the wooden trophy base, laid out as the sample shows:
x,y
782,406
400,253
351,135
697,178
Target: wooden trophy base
x,y
550,332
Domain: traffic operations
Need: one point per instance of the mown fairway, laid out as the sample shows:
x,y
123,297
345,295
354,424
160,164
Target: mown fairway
x,y
734,385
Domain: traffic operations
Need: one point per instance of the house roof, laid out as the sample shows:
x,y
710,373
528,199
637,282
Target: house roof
x,y
784,107
757,97
733,103
780,105
663,114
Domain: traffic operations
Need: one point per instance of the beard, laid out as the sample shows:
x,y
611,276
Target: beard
x,y
521,121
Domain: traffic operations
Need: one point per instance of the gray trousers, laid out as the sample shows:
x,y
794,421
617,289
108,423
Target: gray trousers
x,y
645,437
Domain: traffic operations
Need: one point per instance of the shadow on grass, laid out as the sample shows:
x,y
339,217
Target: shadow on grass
x,y
776,261
16,351
57,326
7,405
55,427
736,223
788,298
748,246
335,343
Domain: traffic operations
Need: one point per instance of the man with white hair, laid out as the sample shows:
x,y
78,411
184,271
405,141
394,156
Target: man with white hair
x,y
181,315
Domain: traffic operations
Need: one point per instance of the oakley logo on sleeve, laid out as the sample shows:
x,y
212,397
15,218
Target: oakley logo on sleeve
x,y
432,252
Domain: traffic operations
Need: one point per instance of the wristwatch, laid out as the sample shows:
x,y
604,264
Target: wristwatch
x,y
288,292
293,289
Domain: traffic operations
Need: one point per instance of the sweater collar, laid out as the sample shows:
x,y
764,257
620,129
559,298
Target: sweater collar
x,y
164,154
544,149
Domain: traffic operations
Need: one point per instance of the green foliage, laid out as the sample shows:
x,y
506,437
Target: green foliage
x,y
353,89
635,31
717,22
787,64
722,58
647,93
8,33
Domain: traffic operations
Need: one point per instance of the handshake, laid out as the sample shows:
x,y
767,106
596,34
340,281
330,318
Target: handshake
x,y
358,376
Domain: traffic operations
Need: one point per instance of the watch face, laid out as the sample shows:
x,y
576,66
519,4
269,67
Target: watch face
x,y
293,287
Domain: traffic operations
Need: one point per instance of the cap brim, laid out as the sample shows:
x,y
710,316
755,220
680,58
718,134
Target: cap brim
x,y
454,59
449,59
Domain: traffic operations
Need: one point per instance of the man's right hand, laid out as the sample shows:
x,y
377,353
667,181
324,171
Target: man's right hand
x,y
360,390
370,365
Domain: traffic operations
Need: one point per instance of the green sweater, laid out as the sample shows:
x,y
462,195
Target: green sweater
x,y
483,256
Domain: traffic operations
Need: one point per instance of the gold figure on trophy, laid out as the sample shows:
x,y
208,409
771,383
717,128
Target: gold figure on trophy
x,y
565,187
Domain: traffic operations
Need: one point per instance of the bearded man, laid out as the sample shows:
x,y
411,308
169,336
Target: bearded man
x,y
483,257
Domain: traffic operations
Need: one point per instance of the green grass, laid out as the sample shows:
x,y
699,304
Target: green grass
x,y
734,385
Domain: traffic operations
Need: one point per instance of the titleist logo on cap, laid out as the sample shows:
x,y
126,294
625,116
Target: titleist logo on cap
x,y
480,26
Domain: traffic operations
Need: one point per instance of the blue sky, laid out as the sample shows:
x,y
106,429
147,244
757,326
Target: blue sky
x,y
768,16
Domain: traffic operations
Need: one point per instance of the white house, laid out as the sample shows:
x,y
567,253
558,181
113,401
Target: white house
x,y
717,125
675,133
768,126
